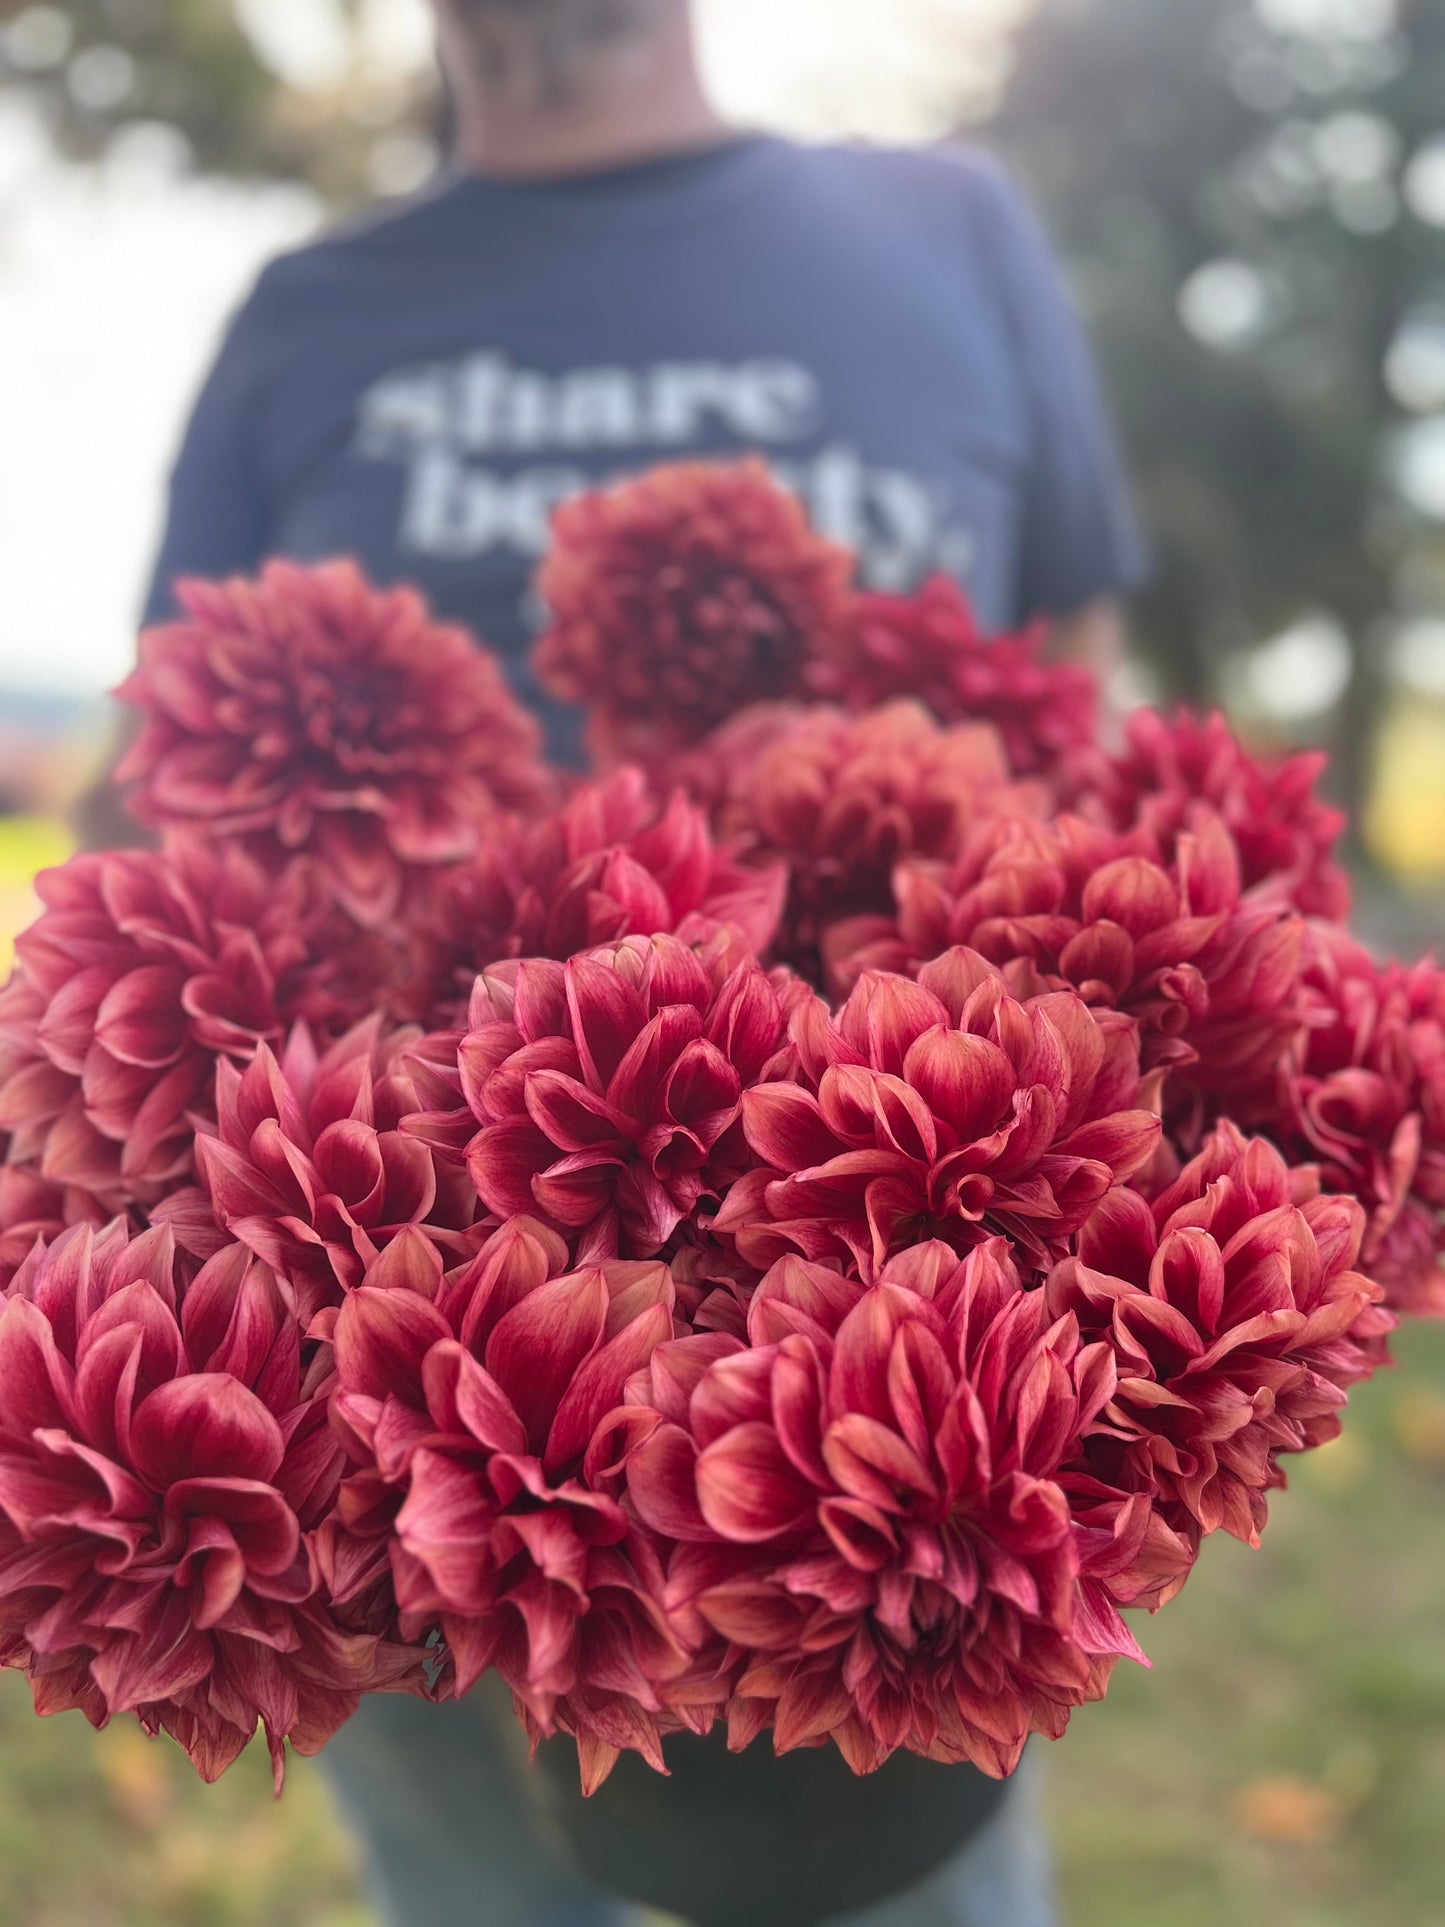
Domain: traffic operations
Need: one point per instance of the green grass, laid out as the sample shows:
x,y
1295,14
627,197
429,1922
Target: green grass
x,y
1284,1763
114,1830
1282,1766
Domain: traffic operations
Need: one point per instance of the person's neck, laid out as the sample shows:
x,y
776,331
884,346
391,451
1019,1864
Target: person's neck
x,y
629,104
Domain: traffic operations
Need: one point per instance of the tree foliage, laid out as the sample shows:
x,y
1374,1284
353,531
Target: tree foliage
x,y
1226,179
99,66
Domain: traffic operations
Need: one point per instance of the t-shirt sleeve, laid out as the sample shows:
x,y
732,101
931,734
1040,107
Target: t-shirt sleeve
x,y
217,517
1079,537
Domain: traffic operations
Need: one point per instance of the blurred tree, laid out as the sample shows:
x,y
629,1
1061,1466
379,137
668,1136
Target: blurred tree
x,y
201,69
1251,194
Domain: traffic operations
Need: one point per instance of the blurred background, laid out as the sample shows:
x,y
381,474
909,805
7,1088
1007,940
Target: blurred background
x,y
1250,198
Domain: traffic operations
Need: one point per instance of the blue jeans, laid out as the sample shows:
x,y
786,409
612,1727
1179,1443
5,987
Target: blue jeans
x,y
445,1807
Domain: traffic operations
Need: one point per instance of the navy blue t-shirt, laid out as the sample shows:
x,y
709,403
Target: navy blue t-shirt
x,y
886,327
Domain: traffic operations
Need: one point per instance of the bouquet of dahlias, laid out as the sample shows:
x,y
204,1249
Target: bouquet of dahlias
x,y
802,1230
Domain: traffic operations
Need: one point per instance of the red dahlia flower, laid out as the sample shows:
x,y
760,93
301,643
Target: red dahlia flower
x,y
942,1109
929,646
1237,1321
1368,1101
869,1511
614,863
307,711
1212,979
607,1089
680,597
475,1403
307,1166
1285,835
162,1469
844,799
143,971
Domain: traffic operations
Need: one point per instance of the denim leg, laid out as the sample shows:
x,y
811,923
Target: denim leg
x,y
440,1799
1001,1879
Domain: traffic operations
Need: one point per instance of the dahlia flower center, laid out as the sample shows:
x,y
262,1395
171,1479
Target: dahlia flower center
x,y
938,1624
344,716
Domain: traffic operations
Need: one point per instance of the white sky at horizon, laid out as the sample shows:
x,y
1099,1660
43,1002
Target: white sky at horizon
x,y
115,281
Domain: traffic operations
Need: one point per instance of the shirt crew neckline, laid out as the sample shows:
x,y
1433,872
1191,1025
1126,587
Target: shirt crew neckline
x,y
657,192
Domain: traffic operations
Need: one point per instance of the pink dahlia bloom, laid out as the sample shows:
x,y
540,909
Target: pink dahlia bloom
x,y
307,711
615,862
1238,1322
1367,1100
869,1513
681,596
143,971
308,1168
843,800
1285,835
929,646
603,1094
474,1403
941,1109
163,1467
1211,978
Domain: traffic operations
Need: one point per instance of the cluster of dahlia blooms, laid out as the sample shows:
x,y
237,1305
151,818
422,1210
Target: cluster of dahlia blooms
x,y
800,1230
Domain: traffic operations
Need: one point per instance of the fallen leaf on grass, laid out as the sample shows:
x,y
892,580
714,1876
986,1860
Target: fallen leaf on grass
x,y
1419,1421
1289,1812
137,1778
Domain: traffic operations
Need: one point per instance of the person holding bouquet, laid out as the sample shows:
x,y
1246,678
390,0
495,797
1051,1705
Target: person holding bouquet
x,y
608,277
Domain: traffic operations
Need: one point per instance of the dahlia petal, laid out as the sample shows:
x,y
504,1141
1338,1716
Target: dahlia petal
x,y
382,1340
348,1161
651,1209
411,1263
862,1352
571,1116
871,1462
786,1128
140,1020
446,1527
863,1535
606,1015
536,1350
810,1705
752,1615
748,1490
798,1400
860,1104
73,1152
598,1384
636,1085
702,1088
885,1016
920,1384
1125,1142
576,1189
737,1391
965,1080
502,1161
662,1483
799,1297
157,1136
232,1183
39,1383
67,1027
202,1426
